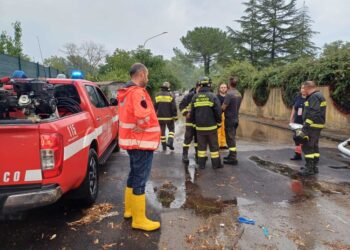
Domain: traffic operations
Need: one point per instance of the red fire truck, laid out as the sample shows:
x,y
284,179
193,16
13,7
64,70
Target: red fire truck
x,y
54,133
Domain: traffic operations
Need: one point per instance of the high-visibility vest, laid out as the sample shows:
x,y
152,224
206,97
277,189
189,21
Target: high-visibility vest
x,y
136,110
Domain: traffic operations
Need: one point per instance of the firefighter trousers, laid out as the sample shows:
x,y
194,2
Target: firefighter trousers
x,y
310,147
190,134
171,127
230,132
204,139
221,133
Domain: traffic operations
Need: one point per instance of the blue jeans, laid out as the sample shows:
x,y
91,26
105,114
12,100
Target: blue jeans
x,y
140,168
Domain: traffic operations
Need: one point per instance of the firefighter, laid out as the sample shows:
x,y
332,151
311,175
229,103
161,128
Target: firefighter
x,y
206,117
190,132
222,90
296,116
231,105
167,115
314,119
139,134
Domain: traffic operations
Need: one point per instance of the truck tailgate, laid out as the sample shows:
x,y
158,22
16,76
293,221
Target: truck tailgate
x,y
19,155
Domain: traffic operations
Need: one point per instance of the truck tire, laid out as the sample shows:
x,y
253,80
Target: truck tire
x,y
89,188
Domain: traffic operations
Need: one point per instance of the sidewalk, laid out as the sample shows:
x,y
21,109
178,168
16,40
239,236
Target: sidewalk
x,y
335,135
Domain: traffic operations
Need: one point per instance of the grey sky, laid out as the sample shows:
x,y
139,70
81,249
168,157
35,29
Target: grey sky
x,y
127,24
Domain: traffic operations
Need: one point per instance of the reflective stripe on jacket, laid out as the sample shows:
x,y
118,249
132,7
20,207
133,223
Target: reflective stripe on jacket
x,y
136,110
165,106
205,110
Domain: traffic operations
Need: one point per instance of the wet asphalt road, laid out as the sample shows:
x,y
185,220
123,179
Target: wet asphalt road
x,y
201,212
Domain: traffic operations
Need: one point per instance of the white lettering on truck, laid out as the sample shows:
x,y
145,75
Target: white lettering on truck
x,y
15,177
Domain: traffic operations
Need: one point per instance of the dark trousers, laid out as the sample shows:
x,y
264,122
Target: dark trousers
x,y
140,168
204,139
190,134
171,127
230,132
310,147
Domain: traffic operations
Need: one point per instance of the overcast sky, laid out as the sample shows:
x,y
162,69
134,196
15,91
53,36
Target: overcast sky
x,y
127,24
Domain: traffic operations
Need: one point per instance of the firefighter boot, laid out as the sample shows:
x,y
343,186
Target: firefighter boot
x,y
308,170
139,219
185,156
127,202
201,162
231,159
170,143
216,163
296,157
316,160
164,146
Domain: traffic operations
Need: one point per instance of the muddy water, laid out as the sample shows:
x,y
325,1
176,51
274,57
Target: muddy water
x,y
260,133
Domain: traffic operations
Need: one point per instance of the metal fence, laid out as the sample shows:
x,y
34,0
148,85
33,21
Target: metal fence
x,y
8,64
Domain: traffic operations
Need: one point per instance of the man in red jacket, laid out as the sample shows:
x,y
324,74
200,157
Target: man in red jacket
x,y
139,134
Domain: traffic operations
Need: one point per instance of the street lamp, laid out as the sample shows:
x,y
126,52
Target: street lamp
x,y
165,32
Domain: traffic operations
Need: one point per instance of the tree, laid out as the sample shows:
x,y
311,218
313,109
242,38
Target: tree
x,y
249,40
86,57
302,45
278,18
117,68
57,62
207,45
181,67
13,46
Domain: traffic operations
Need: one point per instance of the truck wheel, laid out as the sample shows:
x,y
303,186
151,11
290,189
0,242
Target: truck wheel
x,y
89,187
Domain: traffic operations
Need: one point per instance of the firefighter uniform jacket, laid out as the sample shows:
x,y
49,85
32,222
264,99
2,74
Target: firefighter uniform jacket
x,y
165,106
136,110
314,114
185,105
205,110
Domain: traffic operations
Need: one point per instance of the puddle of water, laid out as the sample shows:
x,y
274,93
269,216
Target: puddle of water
x,y
258,132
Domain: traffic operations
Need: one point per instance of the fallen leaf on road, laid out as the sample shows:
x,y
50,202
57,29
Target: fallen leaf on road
x,y
73,228
53,237
96,241
108,246
94,232
189,238
147,235
296,238
95,214
183,218
220,185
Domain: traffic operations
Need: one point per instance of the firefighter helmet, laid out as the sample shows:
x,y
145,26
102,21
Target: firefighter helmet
x,y
204,81
166,85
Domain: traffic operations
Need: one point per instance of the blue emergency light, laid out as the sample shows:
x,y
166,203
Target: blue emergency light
x,y
77,74
19,74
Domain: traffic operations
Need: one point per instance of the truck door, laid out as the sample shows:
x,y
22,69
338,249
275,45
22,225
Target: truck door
x,y
103,117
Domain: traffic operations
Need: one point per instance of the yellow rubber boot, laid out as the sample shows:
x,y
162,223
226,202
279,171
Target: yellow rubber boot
x,y
127,202
139,219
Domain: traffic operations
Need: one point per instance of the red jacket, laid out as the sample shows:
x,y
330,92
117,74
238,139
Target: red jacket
x,y
136,109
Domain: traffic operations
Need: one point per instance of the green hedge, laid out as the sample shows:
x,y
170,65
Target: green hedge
x,y
332,68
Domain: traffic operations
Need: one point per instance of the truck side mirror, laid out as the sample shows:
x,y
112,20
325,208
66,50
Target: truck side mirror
x,y
113,102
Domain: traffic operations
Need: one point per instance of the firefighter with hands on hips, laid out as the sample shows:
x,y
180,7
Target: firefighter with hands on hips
x,y
206,117
314,119
190,132
230,107
139,134
165,107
